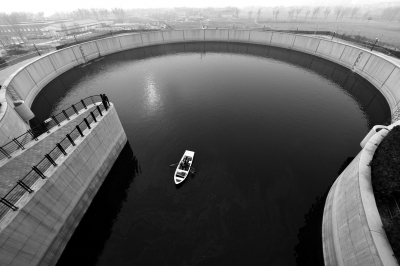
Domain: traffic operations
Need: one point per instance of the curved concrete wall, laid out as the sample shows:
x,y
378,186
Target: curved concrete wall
x,y
38,232
382,72
352,228
29,80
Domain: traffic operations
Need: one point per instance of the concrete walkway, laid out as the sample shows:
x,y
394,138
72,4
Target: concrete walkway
x,y
17,167
392,59
6,72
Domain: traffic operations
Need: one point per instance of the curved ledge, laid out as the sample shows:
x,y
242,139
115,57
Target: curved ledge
x,y
352,229
26,82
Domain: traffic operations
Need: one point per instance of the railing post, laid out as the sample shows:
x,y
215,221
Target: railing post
x,y
94,117
76,111
24,186
65,114
34,168
98,109
70,140
19,144
45,127
87,123
80,131
9,204
84,105
48,157
30,132
5,153
55,119
61,148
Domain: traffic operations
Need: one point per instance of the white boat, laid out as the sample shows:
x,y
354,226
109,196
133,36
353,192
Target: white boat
x,y
183,168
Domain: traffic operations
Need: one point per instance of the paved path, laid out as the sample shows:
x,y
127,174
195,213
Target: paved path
x,y
6,72
20,165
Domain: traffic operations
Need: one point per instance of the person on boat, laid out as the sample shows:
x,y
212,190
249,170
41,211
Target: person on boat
x,y
186,163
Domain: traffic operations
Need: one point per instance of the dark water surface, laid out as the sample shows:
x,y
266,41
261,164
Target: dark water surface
x,y
270,128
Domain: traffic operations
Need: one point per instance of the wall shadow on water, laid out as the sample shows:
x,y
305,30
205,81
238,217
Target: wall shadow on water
x,y
92,233
215,218
369,99
309,252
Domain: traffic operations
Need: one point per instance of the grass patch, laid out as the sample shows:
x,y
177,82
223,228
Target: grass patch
x,y
385,177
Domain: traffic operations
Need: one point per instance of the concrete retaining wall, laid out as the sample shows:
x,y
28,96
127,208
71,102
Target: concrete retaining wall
x,y
262,37
38,232
11,126
352,228
28,81
381,71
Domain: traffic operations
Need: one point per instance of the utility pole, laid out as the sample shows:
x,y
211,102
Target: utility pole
x,y
374,43
34,45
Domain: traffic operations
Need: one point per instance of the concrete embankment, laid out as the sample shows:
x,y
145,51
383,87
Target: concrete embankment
x,y
383,73
29,80
37,233
352,228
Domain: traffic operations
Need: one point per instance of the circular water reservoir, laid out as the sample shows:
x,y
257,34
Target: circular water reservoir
x,y
270,127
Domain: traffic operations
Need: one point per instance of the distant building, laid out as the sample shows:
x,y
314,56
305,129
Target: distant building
x,y
17,33
210,12
187,12
73,27
10,34
227,14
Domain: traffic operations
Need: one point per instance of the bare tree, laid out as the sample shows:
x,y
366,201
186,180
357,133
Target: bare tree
x,y
354,12
39,16
250,13
103,13
315,12
275,13
298,10
119,14
258,14
307,13
346,12
390,13
95,13
327,11
236,12
291,13
13,20
338,10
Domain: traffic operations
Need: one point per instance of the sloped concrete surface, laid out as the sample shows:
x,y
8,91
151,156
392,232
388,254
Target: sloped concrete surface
x,y
38,232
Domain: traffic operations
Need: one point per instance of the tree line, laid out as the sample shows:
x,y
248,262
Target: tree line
x,y
18,17
327,12
93,13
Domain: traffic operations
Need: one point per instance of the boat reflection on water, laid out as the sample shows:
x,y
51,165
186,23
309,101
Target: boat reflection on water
x,y
92,233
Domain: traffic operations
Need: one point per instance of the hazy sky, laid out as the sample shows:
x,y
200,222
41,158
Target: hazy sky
x,y
49,7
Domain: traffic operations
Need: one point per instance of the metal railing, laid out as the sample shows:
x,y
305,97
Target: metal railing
x,y
24,185
96,36
357,40
19,143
